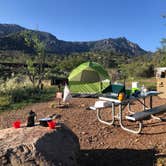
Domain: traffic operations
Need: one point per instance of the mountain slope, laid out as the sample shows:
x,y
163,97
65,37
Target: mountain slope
x,y
11,38
6,29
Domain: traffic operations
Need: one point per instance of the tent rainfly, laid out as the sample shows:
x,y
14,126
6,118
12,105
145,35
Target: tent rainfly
x,y
88,78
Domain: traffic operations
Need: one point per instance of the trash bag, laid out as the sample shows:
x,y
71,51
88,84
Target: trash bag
x,y
66,94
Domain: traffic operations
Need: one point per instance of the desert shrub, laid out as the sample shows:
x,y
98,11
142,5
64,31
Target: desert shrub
x,y
4,100
21,97
20,94
18,91
146,71
14,83
137,70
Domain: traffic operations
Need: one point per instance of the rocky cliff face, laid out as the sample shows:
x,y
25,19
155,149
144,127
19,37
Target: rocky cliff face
x,y
38,146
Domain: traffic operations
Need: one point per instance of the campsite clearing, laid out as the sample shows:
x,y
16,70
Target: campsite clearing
x,y
101,144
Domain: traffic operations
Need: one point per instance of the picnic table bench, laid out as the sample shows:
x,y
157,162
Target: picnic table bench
x,y
138,116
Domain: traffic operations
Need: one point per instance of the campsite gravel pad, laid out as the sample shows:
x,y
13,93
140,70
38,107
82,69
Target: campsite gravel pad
x,y
102,145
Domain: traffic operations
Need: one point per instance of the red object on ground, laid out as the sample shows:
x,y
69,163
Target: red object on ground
x,y
51,124
16,124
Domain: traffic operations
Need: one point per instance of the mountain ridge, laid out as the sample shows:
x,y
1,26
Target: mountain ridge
x,y
12,39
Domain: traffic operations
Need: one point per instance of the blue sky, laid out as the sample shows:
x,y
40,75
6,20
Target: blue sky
x,y
140,21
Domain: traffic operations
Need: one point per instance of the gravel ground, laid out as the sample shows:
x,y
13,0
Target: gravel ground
x,y
102,145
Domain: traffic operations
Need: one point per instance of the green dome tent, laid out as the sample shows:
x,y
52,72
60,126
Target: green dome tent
x,y
88,78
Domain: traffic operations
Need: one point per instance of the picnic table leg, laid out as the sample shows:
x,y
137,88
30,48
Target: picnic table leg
x,y
103,121
129,108
151,101
144,107
140,124
151,106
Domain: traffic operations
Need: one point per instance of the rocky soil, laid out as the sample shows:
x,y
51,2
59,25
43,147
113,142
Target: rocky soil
x,y
102,145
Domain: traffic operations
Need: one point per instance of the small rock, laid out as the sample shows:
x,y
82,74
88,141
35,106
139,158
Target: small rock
x,y
82,105
101,143
136,140
84,133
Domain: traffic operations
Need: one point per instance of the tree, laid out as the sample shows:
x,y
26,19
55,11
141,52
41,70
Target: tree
x,y
163,53
35,66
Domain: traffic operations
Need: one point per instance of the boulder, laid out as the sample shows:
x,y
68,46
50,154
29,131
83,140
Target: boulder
x,y
41,146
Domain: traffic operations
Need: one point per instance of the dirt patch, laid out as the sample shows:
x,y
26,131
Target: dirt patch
x,y
101,144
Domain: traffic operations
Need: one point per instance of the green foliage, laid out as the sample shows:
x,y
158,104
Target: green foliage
x,y
159,58
30,66
163,43
70,62
63,65
18,95
14,83
4,101
35,73
149,83
24,96
138,67
163,61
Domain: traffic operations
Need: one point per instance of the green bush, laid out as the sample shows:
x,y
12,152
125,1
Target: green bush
x,y
4,101
17,95
21,97
21,94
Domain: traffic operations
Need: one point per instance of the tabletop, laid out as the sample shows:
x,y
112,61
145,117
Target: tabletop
x,y
131,98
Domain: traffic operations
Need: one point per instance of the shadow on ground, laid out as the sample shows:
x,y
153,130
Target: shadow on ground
x,y
117,157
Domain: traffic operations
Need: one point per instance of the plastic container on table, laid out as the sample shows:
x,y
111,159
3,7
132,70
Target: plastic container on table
x,y
135,85
121,96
